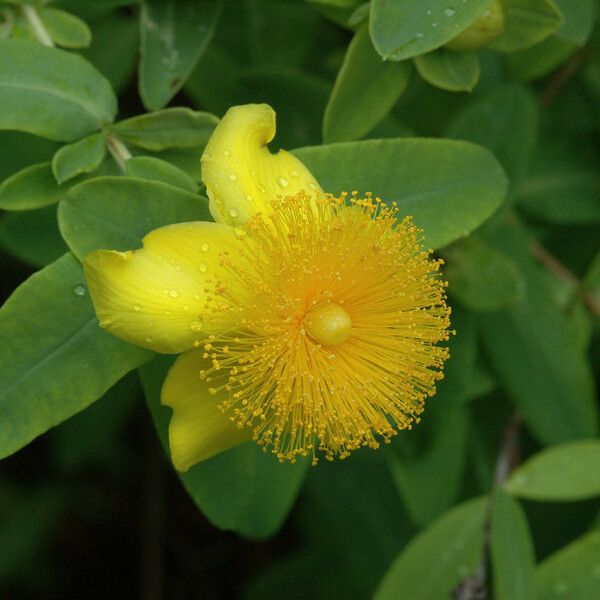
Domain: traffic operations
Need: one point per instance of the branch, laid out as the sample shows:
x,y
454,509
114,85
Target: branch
x,y
119,150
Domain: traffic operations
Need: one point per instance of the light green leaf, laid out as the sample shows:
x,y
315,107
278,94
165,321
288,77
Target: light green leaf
x,y
449,70
51,93
506,122
481,277
173,36
32,236
449,187
573,572
513,560
243,489
33,187
117,212
84,156
528,22
169,128
154,169
536,353
405,28
579,16
65,29
560,474
55,358
365,90
437,559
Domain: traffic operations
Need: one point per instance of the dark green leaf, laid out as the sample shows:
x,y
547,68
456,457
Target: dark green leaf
x,y
154,169
513,560
405,28
243,489
51,93
173,36
579,20
117,212
365,90
560,474
84,156
170,128
70,365
540,60
449,70
437,559
449,187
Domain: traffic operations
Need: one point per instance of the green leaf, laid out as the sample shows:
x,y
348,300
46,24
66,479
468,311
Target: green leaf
x,y
560,474
168,128
117,212
528,22
437,559
405,28
32,236
33,187
513,560
51,93
579,16
19,150
243,489
56,360
481,277
449,187
365,90
506,122
65,29
536,353
540,60
449,70
173,36
154,169
563,184
84,156
572,572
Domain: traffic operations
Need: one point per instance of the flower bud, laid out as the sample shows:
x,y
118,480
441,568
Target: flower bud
x,y
486,28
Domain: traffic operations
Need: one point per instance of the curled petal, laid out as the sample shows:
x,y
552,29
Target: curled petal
x,y
240,174
158,297
198,428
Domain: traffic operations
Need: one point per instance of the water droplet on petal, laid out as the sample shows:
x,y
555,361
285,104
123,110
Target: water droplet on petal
x,y
137,307
249,198
202,268
196,325
226,153
79,290
204,247
312,186
174,294
294,173
283,182
232,177
233,213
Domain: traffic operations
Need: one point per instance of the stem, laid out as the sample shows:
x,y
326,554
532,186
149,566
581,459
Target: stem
x,y
37,27
119,150
563,76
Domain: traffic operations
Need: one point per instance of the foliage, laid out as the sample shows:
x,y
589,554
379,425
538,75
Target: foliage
x,y
487,136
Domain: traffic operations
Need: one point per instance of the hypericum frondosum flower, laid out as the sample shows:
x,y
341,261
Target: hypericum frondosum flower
x,y
307,322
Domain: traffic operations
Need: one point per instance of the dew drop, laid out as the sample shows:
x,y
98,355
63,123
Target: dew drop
x,y
137,307
204,247
249,198
79,290
283,182
449,12
232,177
174,294
434,24
196,325
233,213
418,35
560,587
312,186
186,308
226,153
294,173
202,268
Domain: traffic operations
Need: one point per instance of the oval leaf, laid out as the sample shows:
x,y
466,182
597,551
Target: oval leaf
x,y
65,29
435,562
70,365
449,187
243,489
405,28
448,70
560,474
513,560
365,90
117,212
52,93
84,156
154,169
173,36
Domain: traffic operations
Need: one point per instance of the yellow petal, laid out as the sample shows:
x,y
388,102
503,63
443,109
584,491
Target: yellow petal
x,y
156,297
198,429
240,174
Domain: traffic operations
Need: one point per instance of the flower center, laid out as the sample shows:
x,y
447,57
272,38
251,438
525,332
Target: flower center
x,y
328,324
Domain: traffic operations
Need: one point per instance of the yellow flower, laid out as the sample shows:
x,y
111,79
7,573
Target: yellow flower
x,y
306,322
